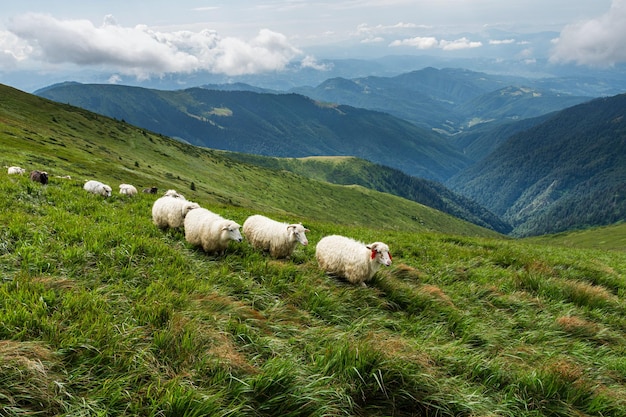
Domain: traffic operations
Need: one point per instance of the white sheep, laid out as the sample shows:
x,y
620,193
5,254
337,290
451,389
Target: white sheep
x,y
173,193
353,260
171,211
16,171
280,239
96,187
127,189
210,231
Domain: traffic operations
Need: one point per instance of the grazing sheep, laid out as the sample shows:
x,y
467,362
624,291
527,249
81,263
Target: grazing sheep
x,y
173,193
16,171
98,188
170,211
211,231
151,190
355,261
280,239
39,176
127,189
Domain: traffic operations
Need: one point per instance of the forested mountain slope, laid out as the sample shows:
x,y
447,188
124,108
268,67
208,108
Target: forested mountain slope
x,y
567,172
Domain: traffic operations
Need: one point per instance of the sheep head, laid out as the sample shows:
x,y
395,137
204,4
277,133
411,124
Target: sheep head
x,y
231,229
298,232
380,253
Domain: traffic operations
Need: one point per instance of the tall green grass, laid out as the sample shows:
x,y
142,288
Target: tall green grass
x,y
103,313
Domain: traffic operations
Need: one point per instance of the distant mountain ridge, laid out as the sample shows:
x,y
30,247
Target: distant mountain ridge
x,y
559,171
285,125
448,100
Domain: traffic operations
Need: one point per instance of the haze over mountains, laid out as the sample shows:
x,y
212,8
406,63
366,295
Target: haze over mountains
x,y
477,133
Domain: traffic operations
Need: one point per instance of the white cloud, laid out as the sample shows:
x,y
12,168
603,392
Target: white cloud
x,y
13,49
418,42
142,51
462,43
598,41
310,62
431,43
501,41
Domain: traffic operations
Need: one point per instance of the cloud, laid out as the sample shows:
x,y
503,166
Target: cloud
x,y
310,62
142,51
462,43
431,43
501,41
598,41
417,42
13,50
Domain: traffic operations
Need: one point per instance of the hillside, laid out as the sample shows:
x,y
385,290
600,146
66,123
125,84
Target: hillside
x,y
611,237
147,159
350,170
568,172
448,100
102,313
283,125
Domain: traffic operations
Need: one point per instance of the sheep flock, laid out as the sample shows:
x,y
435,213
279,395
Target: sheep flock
x,y
340,256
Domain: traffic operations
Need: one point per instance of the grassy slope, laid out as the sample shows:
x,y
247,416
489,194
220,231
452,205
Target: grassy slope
x,y
66,140
602,238
102,313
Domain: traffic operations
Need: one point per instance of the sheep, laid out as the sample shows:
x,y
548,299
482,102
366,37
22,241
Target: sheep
x,y
280,239
170,212
98,188
151,190
16,171
353,260
173,193
210,231
127,189
39,176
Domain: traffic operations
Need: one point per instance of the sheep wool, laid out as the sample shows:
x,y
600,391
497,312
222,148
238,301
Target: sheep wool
x,y
353,260
171,211
173,193
280,239
210,231
98,188
16,171
127,189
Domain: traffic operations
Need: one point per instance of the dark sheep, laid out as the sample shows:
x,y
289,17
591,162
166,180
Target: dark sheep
x,y
39,176
151,190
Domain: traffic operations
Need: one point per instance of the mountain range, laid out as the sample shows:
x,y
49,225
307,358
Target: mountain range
x,y
543,174
284,125
449,100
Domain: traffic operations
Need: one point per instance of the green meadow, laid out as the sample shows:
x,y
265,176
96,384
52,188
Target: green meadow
x,y
102,313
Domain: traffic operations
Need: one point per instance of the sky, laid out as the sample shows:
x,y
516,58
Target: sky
x,y
236,37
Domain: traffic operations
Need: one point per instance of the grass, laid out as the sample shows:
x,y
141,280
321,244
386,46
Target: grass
x,y
602,238
102,313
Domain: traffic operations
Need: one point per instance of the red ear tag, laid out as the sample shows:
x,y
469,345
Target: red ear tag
x,y
373,253
390,258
